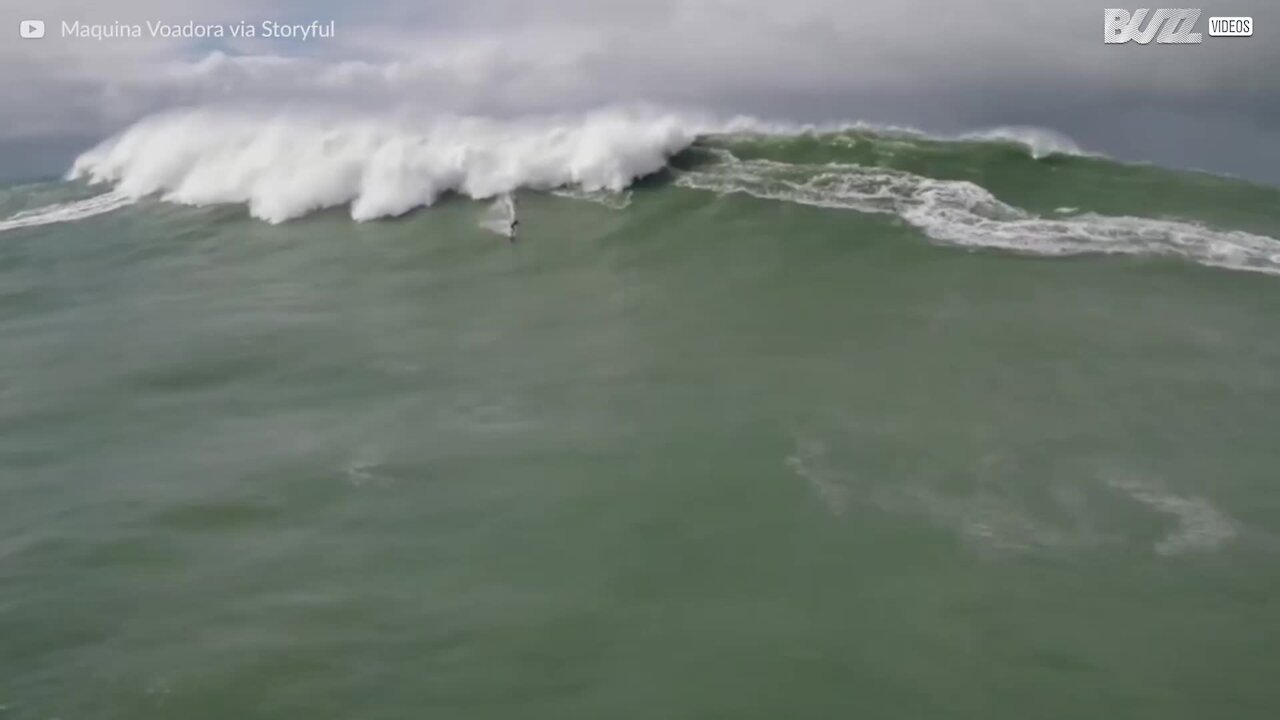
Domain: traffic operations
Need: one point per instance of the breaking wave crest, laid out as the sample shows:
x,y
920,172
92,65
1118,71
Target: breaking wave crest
x,y
285,166
961,213
1040,142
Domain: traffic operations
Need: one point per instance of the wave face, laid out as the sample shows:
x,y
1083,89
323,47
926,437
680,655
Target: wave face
x,y
284,166
1026,190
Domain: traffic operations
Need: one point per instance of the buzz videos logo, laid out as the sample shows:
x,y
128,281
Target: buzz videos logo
x,y
1168,26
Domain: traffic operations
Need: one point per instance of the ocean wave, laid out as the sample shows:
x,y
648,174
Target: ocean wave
x,y
283,166
1040,142
961,213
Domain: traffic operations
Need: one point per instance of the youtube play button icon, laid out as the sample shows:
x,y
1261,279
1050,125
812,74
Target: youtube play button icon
x,y
31,29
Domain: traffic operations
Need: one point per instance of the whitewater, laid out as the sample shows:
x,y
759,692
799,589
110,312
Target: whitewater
x,y
283,166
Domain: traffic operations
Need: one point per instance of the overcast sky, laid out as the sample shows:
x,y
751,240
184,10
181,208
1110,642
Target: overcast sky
x,y
939,65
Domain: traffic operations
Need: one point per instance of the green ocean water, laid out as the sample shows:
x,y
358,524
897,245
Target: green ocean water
x,y
775,434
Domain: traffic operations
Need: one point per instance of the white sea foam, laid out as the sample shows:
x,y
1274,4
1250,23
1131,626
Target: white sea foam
x,y
962,213
809,462
66,211
1200,526
285,165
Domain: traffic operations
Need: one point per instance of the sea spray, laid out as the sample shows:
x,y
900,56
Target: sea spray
x,y
284,166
